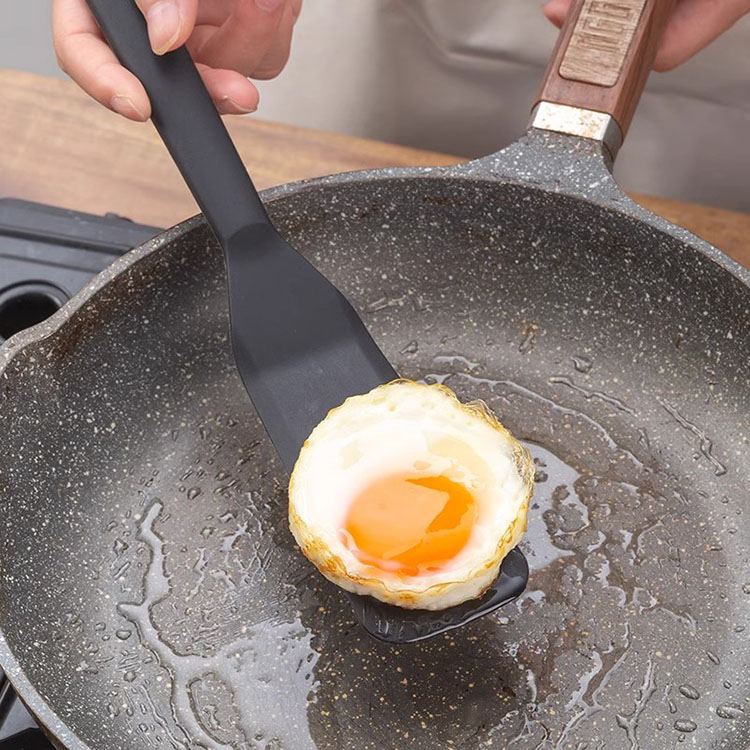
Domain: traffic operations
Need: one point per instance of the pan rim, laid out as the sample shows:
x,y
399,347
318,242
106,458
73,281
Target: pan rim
x,y
481,170
477,170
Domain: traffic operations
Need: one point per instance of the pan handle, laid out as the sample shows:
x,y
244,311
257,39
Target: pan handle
x,y
599,68
187,120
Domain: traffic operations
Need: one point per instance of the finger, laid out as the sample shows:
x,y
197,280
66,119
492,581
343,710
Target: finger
x,y
84,55
693,25
277,54
556,10
232,93
170,22
243,39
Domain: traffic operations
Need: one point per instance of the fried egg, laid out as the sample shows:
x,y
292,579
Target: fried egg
x,y
409,496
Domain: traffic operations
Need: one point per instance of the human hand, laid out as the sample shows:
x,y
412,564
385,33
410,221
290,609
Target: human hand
x,y
694,24
229,40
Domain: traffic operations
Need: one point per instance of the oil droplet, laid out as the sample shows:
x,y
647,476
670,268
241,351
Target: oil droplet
x,y
193,492
685,725
411,348
560,477
540,475
672,707
588,395
713,657
746,588
378,304
123,635
689,692
582,364
529,338
729,711
119,547
129,676
705,444
643,438
630,722
727,684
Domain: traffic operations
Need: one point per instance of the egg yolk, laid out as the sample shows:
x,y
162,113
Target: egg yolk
x,y
410,525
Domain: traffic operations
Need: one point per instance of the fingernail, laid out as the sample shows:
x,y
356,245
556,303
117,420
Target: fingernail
x,y
269,5
164,23
237,109
123,105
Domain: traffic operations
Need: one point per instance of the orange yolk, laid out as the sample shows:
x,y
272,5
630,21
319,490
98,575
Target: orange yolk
x,y
409,525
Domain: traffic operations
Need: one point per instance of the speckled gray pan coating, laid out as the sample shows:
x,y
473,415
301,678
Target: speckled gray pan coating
x,y
151,595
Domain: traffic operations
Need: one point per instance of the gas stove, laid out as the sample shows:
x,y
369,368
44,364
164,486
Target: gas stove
x,y
46,255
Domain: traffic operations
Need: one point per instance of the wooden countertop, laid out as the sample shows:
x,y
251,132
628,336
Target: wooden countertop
x,y
62,148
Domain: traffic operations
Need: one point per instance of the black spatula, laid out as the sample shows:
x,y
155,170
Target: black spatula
x,y
300,347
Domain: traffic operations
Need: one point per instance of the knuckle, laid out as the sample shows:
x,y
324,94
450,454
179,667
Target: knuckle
x,y
266,72
61,63
61,55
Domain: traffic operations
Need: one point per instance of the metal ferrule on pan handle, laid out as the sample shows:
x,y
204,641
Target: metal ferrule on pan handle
x,y
585,123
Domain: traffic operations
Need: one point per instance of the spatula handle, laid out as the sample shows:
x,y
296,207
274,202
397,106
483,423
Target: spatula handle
x,y
186,119
604,54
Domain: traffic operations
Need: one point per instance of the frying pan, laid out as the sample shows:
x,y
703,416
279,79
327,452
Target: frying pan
x,y
151,595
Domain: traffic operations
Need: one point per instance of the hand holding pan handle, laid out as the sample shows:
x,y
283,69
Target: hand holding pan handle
x,y
599,68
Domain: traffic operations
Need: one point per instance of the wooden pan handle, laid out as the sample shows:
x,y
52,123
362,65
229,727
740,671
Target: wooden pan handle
x,y
604,54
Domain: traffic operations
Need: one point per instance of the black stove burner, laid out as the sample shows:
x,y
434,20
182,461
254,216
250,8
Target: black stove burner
x,y
46,255
18,730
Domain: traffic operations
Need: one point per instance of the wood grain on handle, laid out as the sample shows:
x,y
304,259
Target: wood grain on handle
x,y
604,54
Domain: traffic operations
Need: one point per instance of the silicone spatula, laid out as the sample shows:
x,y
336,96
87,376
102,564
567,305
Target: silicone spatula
x,y
300,347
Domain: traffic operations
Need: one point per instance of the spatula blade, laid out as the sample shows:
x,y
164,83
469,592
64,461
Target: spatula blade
x,y
397,625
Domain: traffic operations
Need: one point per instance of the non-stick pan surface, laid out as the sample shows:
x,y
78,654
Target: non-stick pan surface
x,y
151,595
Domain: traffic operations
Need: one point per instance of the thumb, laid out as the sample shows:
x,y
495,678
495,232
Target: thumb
x,y
170,22
555,10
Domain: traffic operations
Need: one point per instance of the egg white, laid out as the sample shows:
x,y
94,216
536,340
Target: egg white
x,y
420,430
